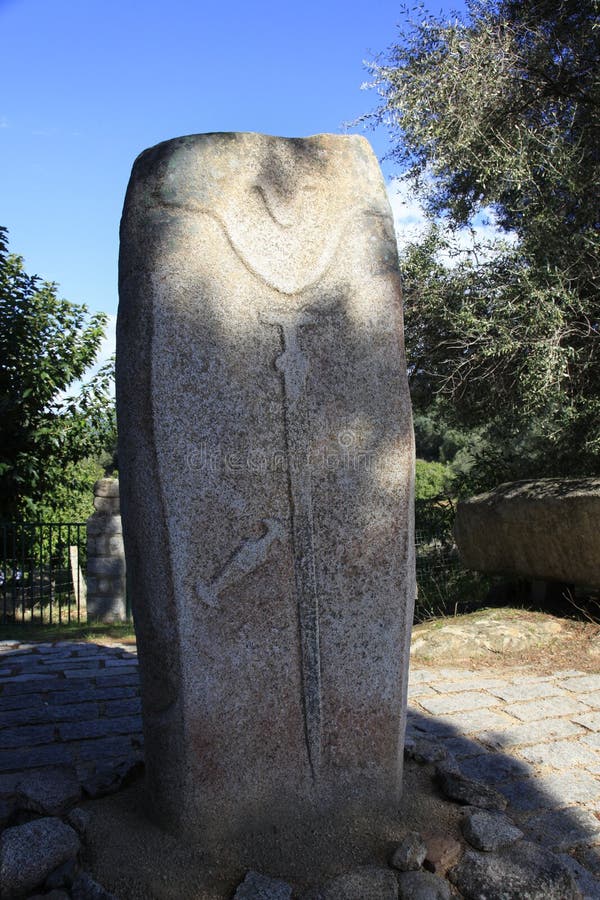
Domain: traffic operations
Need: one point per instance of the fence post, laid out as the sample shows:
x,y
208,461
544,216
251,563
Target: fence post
x,y
106,556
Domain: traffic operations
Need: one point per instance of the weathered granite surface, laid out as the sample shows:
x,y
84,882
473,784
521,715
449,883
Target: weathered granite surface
x,y
545,529
266,458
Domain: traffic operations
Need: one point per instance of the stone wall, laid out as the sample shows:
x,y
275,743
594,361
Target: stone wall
x,y
105,556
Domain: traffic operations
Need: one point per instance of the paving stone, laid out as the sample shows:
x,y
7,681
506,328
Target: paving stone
x,y
420,690
43,684
120,663
418,676
18,701
545,709
445,675
26,735
122,707
421,724
592,739
73,731
93,693
523,870
571,787
587,884
564,829
29,683
476,721
36,716
526,795
489,831
592,699
100,748
452,703
35,757
83,674
120,680
482,684
461,748
527,691
49,792
582,684
591,721
560,754
492,768
112,672
522,735
73,711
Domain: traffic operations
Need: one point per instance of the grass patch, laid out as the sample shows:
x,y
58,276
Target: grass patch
x,y
96,632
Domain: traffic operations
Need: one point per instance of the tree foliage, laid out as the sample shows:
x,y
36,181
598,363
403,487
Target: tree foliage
x,y
46,345
500,111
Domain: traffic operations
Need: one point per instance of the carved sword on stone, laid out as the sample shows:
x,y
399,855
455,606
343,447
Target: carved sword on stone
x,y
293,366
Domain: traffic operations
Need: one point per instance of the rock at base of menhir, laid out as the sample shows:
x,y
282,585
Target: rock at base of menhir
x,y
260,887
473,793
489,831
30,852
410,853
423,886
522,871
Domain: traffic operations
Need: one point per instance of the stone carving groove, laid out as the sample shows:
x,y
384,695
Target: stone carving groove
x,y
248,556
293,366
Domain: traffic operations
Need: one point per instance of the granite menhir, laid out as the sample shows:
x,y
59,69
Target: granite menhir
x,y
266,465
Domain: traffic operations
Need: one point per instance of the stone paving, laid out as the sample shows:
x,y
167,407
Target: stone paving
x,y
67,704
534,738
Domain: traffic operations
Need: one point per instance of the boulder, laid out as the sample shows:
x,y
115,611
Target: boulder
x,y
543,530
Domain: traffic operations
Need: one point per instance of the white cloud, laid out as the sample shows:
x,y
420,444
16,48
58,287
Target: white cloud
x,y
411,224
4,122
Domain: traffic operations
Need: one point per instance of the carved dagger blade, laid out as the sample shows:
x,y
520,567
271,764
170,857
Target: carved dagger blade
x,y
293,366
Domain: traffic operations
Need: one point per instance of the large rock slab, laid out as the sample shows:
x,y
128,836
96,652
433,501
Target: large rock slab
x,y
265,460
545,529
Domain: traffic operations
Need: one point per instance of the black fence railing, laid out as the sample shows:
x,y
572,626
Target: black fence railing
x,y
43,567
42,573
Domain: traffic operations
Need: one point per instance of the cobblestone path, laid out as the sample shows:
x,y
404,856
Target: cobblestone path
x,y
534,738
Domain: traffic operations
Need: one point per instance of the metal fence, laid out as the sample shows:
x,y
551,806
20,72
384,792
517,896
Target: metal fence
x,y
42,566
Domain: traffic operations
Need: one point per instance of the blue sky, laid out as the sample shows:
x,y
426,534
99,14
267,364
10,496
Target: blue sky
x,y
87,85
